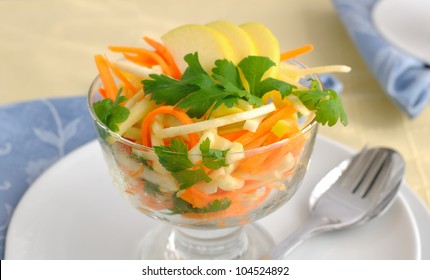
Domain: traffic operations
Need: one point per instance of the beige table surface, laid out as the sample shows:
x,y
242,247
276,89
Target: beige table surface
x,y
47,48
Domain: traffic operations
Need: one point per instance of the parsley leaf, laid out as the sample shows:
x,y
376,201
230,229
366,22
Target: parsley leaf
x,y
176,160
196,91
111,113
152,189
212,158
326,104
227,74
217,205
270,84
174,157
180,206
205,97
189,177
253,69
167,90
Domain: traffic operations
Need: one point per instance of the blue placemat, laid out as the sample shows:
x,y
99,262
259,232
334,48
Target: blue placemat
x,y
34,135
404,78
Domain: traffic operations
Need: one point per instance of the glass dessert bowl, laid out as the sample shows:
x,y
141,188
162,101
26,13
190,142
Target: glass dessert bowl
x,y
208,219
209,140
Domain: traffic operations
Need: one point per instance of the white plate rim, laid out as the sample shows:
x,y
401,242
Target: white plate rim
x,y
407,199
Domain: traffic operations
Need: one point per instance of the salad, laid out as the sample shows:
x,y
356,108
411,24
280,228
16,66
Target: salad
x,y
208,122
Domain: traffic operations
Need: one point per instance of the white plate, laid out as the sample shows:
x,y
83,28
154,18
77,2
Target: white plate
x,y
405,24
73,212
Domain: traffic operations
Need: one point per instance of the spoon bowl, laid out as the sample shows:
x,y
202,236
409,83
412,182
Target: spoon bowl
x,y
356,191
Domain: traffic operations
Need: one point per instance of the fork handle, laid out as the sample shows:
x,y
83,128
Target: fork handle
x,y
315,224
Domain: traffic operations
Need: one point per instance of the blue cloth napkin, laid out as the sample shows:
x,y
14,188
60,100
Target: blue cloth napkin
x,y
404,78
34,135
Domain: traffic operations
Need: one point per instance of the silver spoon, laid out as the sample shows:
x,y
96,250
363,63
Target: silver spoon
x,y
354,192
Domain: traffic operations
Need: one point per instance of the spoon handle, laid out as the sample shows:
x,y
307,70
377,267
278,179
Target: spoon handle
x,y
313,225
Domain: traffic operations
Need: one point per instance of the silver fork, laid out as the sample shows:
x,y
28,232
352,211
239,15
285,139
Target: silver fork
x,y
354,192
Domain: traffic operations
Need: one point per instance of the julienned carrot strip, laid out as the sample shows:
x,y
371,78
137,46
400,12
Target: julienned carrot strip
x,y
170,110
271,138
233,135
106,77
266,125
122,78
199,199
102,92
294,147
166,55
144,61
241,203
296,52
145,54
257,142
254,163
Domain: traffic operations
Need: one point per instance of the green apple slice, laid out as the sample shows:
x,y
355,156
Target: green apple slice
x,y
208,42
265,43
240,41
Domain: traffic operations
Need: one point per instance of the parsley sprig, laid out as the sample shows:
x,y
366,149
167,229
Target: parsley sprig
x,y
175,159
111,113
180,206
197,91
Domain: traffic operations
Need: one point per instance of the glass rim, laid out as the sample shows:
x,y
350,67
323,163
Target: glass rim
x,y
311,123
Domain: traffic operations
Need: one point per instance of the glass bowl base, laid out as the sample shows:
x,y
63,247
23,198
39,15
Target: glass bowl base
x,y
173,243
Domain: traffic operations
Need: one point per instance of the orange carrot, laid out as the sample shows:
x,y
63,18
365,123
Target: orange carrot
x,y
296,52
161,50
241,202
144,61
233,135
199,199
292,147
254,162
171,110
266,125
256,143
102,92
106,77
271,138
122,78
145,54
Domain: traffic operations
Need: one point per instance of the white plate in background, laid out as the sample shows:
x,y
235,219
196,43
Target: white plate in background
x,y
73,212
405,24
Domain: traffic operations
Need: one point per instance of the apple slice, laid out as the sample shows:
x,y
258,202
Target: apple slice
x,y
240,41
265,43
209,43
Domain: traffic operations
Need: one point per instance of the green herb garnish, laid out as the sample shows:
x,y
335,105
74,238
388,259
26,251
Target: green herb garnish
x,y
142,160
326,104
111,113
175,159
197,91
188,177
175,156
180,206
212,158
152,189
